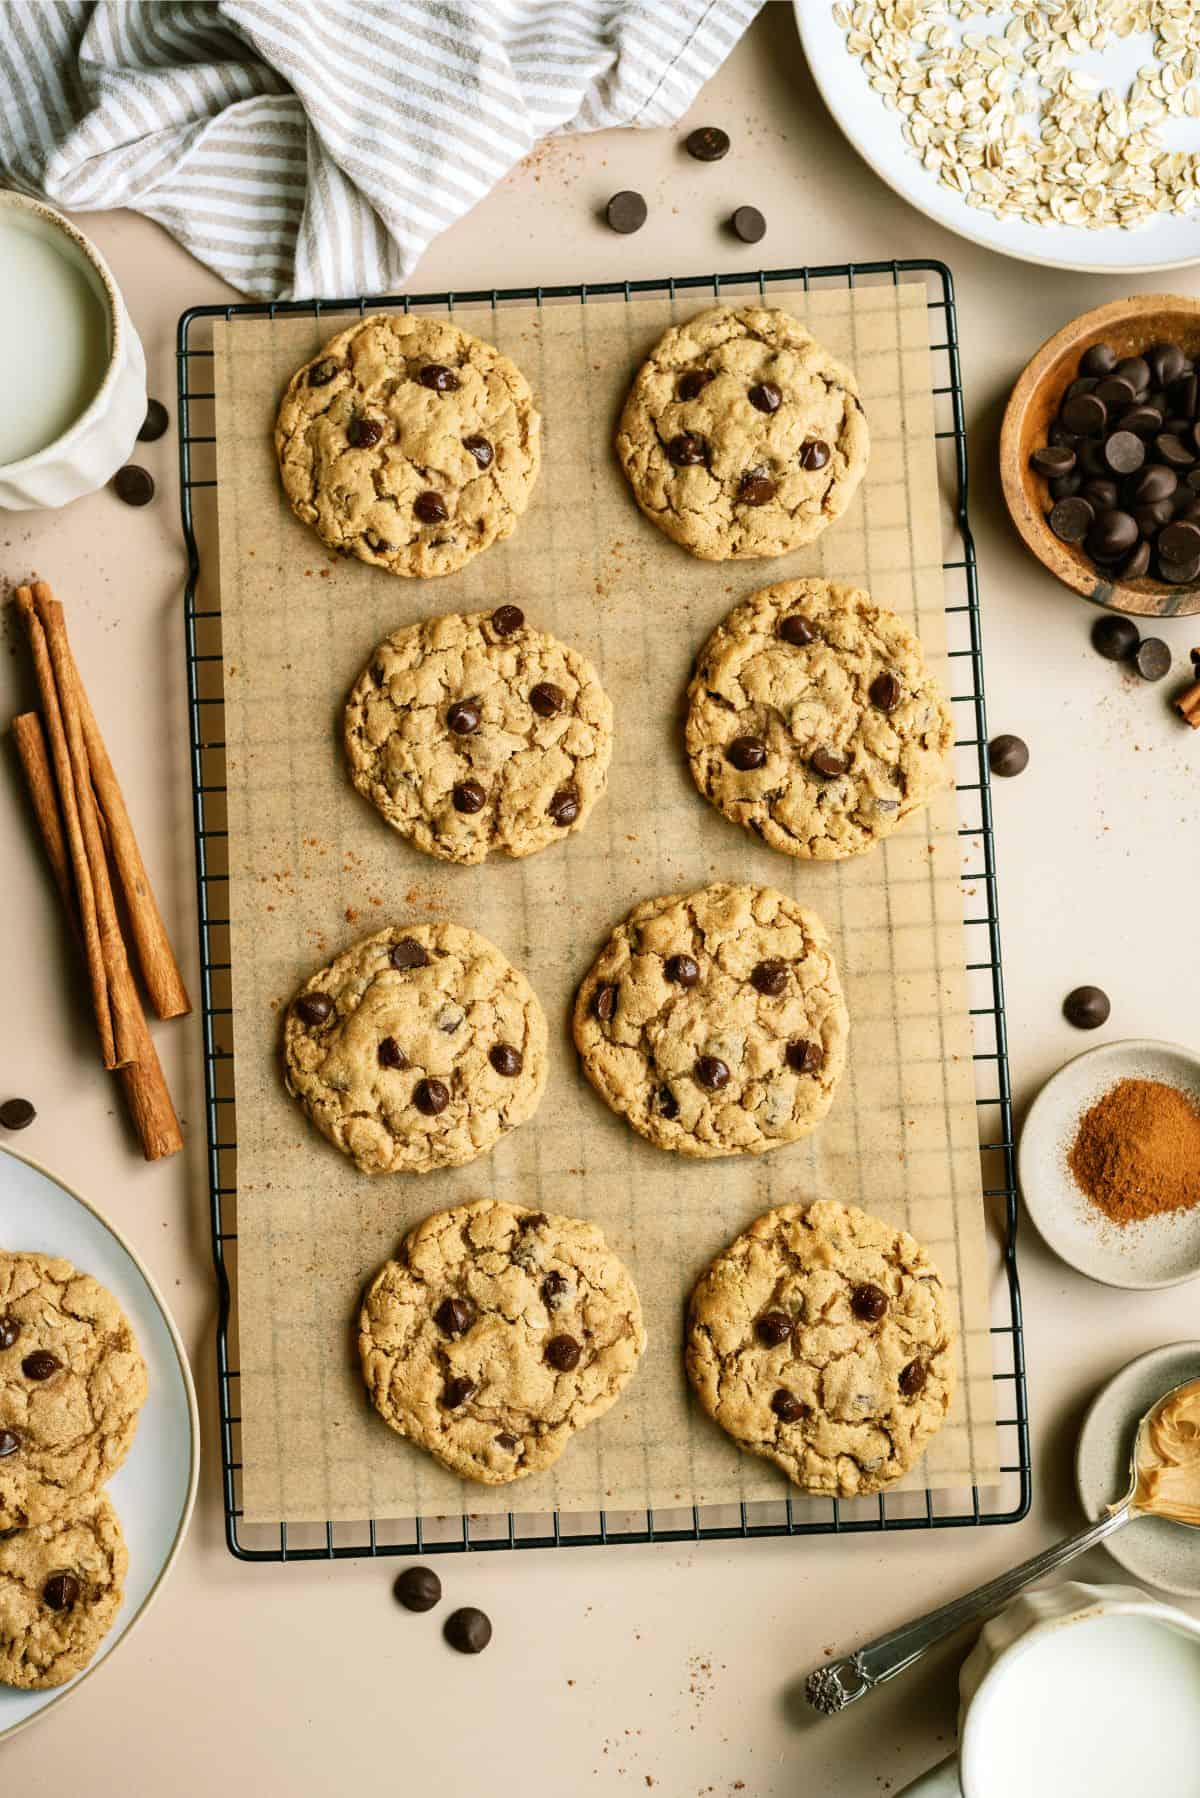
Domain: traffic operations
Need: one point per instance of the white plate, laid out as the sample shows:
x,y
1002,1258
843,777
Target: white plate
x,y
155,1489
1161,1553
1162,1251
1172,241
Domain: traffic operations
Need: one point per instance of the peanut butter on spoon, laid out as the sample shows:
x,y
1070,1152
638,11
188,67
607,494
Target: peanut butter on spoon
x,y
1168,1469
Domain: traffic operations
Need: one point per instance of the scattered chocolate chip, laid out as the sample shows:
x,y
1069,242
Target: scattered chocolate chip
x,y
418,1588
913,1378
814,454
457,1391
430,508
1087,1007
506,1060
1071,519
10,1329
363,432
687,450
321,373
1099,360
1152,658
805,1056
134,485
787,1407
564,807
468,1630
408,953
379,546
885,691
668,1104
390,1054
547,699
626,211
772,1328
507,1442
10,1442
507,620
554,1287
463,717
562,1352
749,224
17,1114
604,1002
469,797
764,396
707,143
711,1072
481,449
1114,637
828,763
869,1302
1052,460
769,978
431,1097
533,1220
155,423
683,970
693,383
1124,452
1008,756
313,1008
454,1317
756,488
61,1591
40,1365
746,753
438,377
796,630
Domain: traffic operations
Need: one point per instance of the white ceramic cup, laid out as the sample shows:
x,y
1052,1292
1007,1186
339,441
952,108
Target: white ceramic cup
x,y
1088,1689
60,294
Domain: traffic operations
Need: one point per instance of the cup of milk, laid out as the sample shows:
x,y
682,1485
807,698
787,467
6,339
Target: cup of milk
x,y
72,371
1077,1689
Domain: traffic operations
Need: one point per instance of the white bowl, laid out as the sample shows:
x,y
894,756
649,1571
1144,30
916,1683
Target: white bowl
x,y
91,447
1162,1251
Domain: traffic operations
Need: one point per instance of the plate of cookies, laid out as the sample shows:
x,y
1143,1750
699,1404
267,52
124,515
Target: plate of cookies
x,y
99,1440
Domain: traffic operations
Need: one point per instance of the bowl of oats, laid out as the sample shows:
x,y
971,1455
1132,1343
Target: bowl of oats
x,y
1100,455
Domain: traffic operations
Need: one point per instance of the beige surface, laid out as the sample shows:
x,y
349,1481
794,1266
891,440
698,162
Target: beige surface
x,y
683,1661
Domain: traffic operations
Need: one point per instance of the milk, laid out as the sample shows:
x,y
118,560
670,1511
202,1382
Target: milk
x,y
1105,1708
54,335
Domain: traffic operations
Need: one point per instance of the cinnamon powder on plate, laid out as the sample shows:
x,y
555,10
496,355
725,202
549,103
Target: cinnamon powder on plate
x,y
1136,1152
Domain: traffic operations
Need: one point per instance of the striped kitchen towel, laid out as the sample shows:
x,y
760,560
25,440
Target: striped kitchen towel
x,y
317,146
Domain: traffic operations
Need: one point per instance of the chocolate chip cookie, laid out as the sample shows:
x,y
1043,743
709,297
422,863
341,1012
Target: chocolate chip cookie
x,y
714,1021
61,1585
479,733
418,1048
409,444
496,1334
814,721
821,1340
741,436
72,1382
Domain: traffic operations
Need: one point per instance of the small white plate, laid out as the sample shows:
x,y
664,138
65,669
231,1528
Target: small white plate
x,y
1162,1251
155,1489
1161,1553
1171,241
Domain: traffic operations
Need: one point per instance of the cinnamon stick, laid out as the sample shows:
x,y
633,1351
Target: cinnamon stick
x,y
88,919
1187,704
160,970
142,1082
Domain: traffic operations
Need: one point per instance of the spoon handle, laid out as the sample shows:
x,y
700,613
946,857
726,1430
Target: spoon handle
x,y
831,1687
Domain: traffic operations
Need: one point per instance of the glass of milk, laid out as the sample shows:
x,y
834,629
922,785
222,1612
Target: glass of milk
x,y
72,371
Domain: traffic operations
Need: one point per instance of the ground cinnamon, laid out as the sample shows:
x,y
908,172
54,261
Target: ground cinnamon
x,y
1136,1152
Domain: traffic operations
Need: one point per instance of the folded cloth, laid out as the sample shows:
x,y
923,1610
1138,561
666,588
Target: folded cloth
x,y
305,147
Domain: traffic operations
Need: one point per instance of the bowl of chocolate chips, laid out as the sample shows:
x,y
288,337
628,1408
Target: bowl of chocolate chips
x,y
1100,455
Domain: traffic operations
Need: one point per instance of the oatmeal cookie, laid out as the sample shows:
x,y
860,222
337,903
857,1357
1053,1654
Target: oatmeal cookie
x,y
61,1585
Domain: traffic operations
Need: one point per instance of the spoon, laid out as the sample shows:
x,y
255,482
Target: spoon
x,y
831,1688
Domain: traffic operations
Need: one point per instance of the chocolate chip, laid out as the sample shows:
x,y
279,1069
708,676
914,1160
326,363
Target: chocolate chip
x,y
1145,420
885,691
1071,519
449,1019
418,1588
1152,658
1173,450
814,454
682,970
1135,564
796,630
1083,384
408,953
1114,637
379,546
828,763
1184,394
769,978
10,1329
1052,460
1099,360
155,423
1112,535
10,1442
321,373
437,376
390,1054
507,620
40,1365
17,1114
533,1220
430,508
764,396
749,224
363,432
313,1008
463,717
481,449
554,1287
61,1591
711,1072
707,143
563,1352
1135,370
1166,362
1124,452
756,488
668,1104
787,1407
626,211
454,1317
507,1442
546,699
1155,483
804,1056
1008,756
604,1002
1179,574
1150,519
1114,391
687,450
564,807
869,1302
1101,494
1180,541
772,1328
1087,1007
469,797
457,1391
468,1630
506,1060
746,753
1086,414
134,485
431,1097
913,1378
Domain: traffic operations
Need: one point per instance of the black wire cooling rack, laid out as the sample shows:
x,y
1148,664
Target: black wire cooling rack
x,y
1006,1502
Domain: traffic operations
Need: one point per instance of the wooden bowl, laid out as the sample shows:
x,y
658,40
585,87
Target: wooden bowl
x,y
1130,326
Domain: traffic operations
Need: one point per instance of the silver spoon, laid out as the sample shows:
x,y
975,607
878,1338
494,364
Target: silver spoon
x,y
831,1688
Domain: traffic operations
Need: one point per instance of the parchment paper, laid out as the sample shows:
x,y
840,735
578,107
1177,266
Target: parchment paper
x,y
312,867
